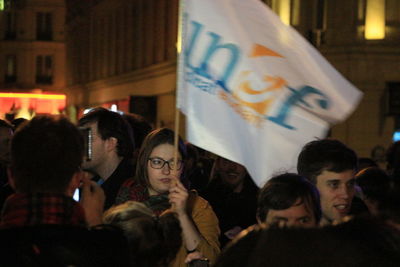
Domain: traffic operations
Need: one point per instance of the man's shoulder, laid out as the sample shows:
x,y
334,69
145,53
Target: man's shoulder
x,y
124,170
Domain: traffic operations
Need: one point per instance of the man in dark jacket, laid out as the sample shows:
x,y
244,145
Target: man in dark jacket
x,y
233,197
112,148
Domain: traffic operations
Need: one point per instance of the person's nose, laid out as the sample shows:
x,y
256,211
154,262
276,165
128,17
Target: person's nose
x,y
283,224
290,224
166,169
344,191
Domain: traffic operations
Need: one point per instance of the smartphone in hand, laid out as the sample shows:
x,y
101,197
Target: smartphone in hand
x,y
77,195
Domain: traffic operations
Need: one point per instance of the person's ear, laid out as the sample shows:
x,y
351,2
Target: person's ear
x,y
112,143
11,179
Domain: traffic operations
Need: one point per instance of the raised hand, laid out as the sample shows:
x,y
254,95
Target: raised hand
x,y
178,196
92,200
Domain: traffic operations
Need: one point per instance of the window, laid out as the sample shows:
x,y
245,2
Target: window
x,y
372,16
11,25
11,69
44,69
379,19
375,20
44,29
287,10
6,4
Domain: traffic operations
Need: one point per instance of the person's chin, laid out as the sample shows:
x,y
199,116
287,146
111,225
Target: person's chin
x,y
338,217
163,188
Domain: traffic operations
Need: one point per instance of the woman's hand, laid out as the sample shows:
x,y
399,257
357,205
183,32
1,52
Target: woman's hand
x,y
178,196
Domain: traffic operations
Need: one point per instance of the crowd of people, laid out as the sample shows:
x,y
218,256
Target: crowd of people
x,y
142,205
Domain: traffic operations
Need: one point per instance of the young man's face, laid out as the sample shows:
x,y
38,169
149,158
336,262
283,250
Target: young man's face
x,y
298,215
99,150
336,192
160,180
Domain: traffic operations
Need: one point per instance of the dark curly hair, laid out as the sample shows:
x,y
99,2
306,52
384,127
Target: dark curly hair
x,y
325,155
282,191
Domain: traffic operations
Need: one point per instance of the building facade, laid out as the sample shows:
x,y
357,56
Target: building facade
x,y
32,48
123,52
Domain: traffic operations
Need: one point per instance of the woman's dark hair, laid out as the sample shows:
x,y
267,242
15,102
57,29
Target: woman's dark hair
x,y
152,140
283,191
153,241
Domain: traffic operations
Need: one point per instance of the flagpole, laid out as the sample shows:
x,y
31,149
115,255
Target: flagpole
x,y
179,66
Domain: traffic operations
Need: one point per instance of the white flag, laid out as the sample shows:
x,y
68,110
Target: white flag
x,y
254,90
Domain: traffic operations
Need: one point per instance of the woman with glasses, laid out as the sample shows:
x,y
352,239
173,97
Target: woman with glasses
x,y
159,184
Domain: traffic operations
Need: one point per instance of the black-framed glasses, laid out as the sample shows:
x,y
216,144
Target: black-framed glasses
x,y
159,163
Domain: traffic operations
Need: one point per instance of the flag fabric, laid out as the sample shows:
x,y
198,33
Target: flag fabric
x,y
253,89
